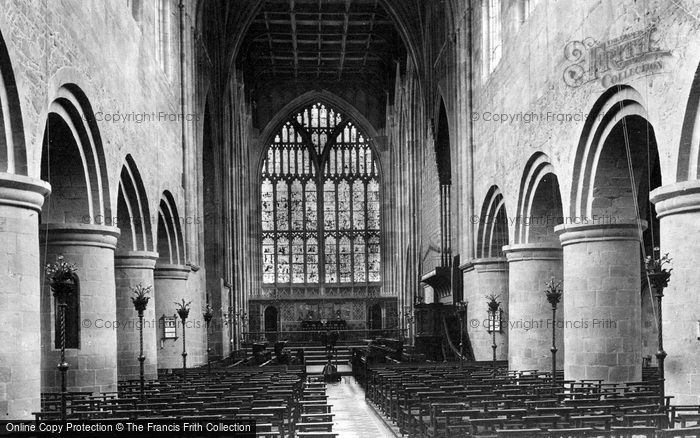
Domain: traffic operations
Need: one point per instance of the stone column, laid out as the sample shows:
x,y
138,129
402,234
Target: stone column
x,y
196,326
93,366
130,269
530,323
483,277
678,208
171,287
21,199
602,302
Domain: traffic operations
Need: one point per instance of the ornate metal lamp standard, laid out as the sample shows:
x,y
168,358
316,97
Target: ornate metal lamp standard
x,y
493,307
231,322
554,294
658,280
242,318
183,310
462,313
208,315
61,276
410,318
140,301
229,319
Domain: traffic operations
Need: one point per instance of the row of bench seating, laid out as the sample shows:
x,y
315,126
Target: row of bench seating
x,y
280,400
454,400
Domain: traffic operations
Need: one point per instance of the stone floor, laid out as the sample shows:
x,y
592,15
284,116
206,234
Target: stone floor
x,y
354,417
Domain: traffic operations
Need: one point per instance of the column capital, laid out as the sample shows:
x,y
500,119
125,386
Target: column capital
x,y
101,236
580,233
487,264
23,191
136,260
533,251
677,198
171,272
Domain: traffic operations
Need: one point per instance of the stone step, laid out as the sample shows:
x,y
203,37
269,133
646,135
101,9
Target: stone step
x,y
323,362
324,356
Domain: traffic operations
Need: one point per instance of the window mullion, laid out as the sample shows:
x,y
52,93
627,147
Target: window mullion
x,y
351,206
320,226
304,240
290,233
337,231
365,232
274,226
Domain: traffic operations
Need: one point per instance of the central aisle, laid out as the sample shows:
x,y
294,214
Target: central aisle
x,y
353,416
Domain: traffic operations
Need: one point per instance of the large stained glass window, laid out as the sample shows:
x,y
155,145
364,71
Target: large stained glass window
x,y
320,203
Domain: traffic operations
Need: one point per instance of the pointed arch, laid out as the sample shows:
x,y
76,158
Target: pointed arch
x,y
442,145
13,153
170,238
72,147
320,200
133,215
539,202
306,99
493,225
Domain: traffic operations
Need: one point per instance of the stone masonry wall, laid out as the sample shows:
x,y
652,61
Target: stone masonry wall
x,y
528,88
101,48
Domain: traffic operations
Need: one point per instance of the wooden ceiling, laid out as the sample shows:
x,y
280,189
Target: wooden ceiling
x,y
321,40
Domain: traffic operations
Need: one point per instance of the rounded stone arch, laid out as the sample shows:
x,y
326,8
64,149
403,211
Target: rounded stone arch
x,y
170,243
688,166
133,212
492,234
324,96
13,151
617,120
73,161
539,202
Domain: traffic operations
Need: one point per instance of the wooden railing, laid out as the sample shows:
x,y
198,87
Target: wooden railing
x,y
315,336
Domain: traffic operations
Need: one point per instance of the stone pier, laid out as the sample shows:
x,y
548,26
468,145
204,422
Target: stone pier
x,y
530,322
602,302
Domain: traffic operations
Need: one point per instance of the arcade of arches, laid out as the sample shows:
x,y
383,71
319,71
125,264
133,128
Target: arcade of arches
x,y
365,165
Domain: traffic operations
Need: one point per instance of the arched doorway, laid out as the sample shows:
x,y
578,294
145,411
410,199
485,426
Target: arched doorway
x,y
375,317
271,323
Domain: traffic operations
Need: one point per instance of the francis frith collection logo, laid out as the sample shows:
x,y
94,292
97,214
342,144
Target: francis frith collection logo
x,y
613,61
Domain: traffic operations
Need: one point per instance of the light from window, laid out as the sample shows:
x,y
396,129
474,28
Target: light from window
x,y
162,33
494,32
320,226
530,6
